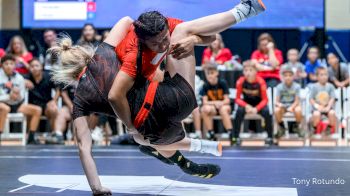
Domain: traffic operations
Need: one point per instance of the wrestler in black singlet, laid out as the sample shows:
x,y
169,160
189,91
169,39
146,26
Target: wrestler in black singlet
x,y
174,99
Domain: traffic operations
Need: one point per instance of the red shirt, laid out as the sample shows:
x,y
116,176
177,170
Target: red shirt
x,y
253,93
127,53
2,52
263,59
20,68
222,56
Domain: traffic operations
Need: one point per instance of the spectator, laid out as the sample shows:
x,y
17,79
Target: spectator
x,y
2,53
267,60
338,72
322,99
12,90
50,38
216,53
19,50
64,115
312,64
104,35
88,36
215,101
297,67
287,100
254,101
40,87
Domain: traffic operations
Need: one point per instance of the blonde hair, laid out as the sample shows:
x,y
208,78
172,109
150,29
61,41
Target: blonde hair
x,y
219,38
9,48
73,60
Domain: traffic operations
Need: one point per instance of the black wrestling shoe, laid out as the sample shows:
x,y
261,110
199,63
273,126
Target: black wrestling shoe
x,y
154,153
201,170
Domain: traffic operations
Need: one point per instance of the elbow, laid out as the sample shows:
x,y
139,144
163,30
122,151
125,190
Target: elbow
x,y
114,96
183,29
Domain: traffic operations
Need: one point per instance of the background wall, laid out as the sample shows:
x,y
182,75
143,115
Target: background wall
x,y
9,14
338,14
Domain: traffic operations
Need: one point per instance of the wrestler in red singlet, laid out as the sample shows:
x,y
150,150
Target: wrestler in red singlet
x,y
127,53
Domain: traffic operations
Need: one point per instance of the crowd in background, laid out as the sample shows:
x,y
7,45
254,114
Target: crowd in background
x,y
22,72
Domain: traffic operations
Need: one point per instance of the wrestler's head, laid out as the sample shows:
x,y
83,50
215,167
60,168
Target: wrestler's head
x,y
249,70
153,31
74,59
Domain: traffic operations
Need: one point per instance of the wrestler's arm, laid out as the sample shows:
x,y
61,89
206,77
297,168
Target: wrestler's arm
x,y
119,31
117,97
85,146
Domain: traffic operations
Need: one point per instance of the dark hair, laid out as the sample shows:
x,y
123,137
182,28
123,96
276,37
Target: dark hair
x,y
48,30
34,59
147,25
332,53
8,57
320,68
93,27
150,24
89,24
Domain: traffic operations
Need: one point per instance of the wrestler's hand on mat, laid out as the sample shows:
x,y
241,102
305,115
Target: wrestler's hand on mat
x,y
102,191
182,48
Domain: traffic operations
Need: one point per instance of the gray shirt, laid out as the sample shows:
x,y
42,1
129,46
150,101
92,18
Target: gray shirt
x,y
15,80
287,94
339,74
322,94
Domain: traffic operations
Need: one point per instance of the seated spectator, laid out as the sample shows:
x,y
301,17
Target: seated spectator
x,y
254,101
267,60
216,53
2,53
287,100
88,36
104,35
50,39
40,86
64,116
297,67
322,99
19,50
216,101
312,64
338,72
12,90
